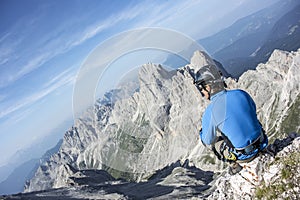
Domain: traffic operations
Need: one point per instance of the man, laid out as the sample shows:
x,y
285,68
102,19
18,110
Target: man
x,y
229,123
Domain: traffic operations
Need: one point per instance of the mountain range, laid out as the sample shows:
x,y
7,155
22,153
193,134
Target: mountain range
x,y
15,180
252,39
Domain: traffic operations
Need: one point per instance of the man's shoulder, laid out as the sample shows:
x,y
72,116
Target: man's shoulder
x,y
237,92
207,111
238,96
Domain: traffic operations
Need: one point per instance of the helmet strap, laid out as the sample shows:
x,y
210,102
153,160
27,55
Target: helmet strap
x,y
204,88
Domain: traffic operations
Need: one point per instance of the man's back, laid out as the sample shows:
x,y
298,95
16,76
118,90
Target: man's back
x,y
232,112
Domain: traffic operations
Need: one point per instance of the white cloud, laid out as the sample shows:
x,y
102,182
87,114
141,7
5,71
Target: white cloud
x,y
111,21
32,65
4,37
67,77
7,48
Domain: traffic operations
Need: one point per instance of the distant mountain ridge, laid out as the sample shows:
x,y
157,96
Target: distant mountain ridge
x,y
16,180
285,34
14,183
252,39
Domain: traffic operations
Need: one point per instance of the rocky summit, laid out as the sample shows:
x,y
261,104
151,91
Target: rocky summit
x,y
145,145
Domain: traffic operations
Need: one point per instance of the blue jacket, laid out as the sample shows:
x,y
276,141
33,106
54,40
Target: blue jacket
x,y
233,112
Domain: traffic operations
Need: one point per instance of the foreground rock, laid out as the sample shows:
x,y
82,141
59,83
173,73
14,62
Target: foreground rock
x,y
273,175
277,175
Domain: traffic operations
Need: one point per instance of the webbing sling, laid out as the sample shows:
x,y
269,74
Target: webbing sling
x,y
232,151
218,139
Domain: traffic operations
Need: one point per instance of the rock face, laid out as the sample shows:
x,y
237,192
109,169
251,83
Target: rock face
x,y
275,175
272,175
131,137
274,87
136,136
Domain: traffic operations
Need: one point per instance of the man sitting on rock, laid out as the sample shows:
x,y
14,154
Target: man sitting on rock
x,y
229,123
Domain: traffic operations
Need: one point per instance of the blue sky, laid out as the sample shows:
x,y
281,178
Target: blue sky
x,y
44,43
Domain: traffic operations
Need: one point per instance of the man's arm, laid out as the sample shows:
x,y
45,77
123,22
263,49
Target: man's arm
x,y
207,132
250,100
